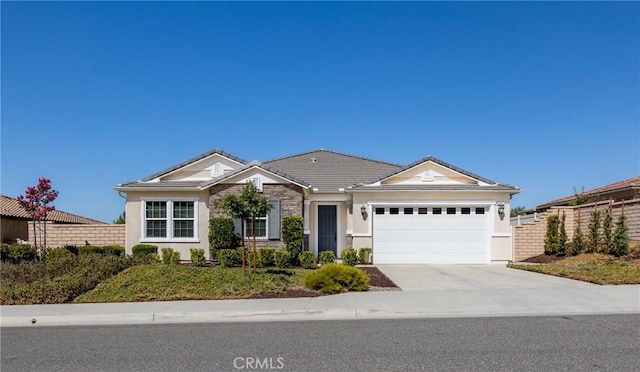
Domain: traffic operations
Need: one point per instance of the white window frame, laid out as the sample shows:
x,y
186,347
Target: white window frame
x,y
170,223
266,229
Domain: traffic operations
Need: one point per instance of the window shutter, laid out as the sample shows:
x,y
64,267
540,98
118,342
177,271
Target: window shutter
x,y
274,220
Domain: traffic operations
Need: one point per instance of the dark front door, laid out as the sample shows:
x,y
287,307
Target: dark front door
x,y
327,228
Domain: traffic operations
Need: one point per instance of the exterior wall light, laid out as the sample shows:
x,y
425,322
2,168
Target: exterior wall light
x,y
363,211
501,209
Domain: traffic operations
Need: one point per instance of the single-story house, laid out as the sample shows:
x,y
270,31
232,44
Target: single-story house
x,y
14,220
622,190
428,211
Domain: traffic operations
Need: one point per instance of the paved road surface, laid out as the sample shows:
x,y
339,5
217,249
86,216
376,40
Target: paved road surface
x,y
554,343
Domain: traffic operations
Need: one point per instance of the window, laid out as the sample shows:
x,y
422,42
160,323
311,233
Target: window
x,y
183,219
451,211
437,210
156,219
422,210
379,210
408,211
479,210
465,210
394,210
261,227
169,219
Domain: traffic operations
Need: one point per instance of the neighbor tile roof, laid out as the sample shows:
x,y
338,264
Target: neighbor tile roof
x,y
194,159
331,170
10,207
630,183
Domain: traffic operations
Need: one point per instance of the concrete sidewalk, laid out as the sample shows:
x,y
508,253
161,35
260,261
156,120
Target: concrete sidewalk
x,y
570,300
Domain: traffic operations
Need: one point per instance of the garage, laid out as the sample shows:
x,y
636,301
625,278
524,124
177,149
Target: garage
x,y
430,234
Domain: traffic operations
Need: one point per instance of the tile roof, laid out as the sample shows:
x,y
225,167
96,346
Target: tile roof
x,y
10,207
255,164
329,171
628,184
194,159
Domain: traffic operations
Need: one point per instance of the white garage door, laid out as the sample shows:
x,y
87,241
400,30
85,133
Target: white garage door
x,y
447,235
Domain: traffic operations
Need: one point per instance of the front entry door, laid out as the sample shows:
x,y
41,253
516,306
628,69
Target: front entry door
x,y
327,228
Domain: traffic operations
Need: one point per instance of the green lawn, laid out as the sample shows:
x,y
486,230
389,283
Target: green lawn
x,y
594,268
175,282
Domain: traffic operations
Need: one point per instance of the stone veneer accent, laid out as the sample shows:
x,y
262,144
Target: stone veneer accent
x,y
290,196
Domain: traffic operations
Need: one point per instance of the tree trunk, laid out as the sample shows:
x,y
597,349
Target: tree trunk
x,y
242,247
44,248
35,239
253,227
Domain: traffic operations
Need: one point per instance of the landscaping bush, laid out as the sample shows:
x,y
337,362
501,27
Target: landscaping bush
x,y
229,257
72,248
57,280
334,278
621,237
293,235
327,257
197,257
364,256
307,260
106,250
58,253
283,259
170,257
16,253
221,235
266,257
140,251
593,236
349,257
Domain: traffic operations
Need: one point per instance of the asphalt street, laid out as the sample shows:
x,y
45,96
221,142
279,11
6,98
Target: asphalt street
x,y
544,343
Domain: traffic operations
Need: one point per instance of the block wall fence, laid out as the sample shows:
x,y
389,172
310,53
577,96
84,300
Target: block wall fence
x,y
528,238
59,235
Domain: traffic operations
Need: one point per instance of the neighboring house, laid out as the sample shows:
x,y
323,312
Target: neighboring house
x,y
14,220
426,212
623,190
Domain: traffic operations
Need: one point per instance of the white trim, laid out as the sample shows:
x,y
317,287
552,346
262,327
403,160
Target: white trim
x,y
500,235
169,238
339,230
437,165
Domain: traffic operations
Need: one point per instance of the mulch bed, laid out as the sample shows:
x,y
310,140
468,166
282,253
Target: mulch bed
x,y
377,282
543,258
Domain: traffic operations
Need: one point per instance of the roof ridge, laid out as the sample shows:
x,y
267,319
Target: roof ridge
x,y
334,152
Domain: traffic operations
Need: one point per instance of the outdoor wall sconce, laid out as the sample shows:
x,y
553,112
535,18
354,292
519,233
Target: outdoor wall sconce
x,y
363,211
501,210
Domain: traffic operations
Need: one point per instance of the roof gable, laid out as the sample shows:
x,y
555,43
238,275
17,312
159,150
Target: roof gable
x,y
253,171
196,168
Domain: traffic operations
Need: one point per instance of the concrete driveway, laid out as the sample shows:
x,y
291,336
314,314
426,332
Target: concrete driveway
x,y
471,277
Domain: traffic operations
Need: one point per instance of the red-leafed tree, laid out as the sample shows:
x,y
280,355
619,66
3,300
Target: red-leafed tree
x,y
36,201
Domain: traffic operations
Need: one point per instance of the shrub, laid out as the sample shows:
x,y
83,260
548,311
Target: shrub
x,y
57,253
228,257
106,250
594,232
57,280
577,244
197,257
350,257
551,239
266,257
307,261
16,253
607,244
140,251
621,237
364,256
221,235
293,235
283,259
170,257
334,278
327,257
72,248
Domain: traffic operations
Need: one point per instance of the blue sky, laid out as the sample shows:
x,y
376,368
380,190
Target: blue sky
x,y
541,95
